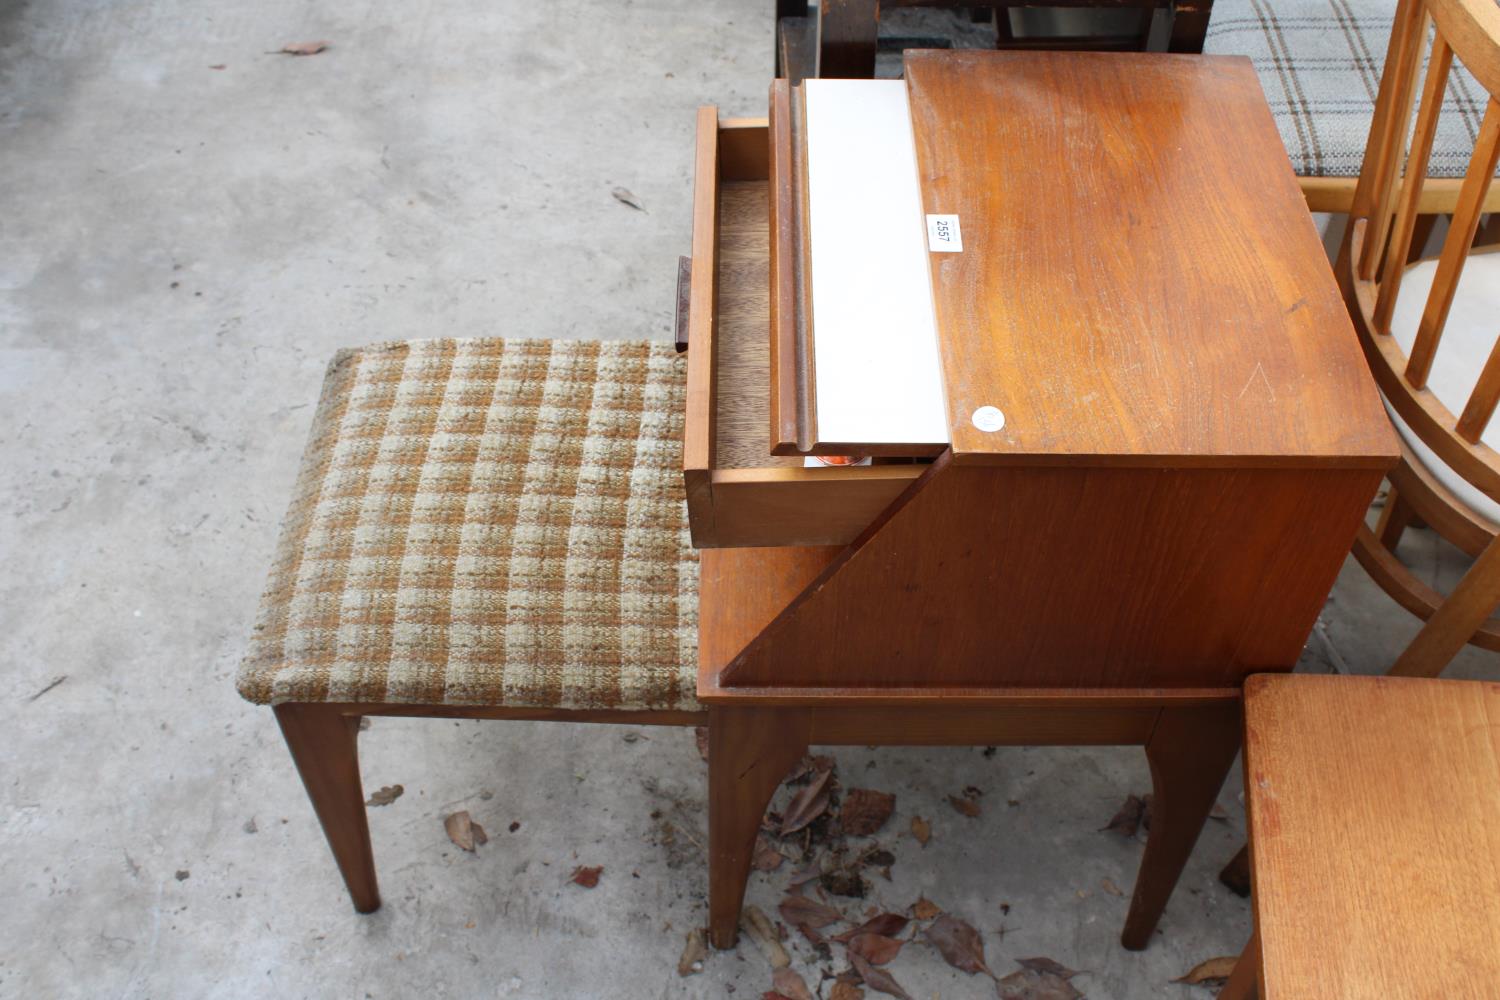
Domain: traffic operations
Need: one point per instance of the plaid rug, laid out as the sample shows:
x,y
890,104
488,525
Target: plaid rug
x,y
487,522
1319,63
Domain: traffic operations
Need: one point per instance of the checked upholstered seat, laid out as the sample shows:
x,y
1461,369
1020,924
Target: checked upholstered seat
x,y
487,523
1319,63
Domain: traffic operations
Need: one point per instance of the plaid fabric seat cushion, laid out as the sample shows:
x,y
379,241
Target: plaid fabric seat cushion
x,y
1319,62
487,522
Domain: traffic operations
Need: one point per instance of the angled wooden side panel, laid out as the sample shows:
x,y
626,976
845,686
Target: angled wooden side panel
x,y
1067,577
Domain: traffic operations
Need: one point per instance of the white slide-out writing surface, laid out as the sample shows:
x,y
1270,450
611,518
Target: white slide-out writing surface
x,y
875,353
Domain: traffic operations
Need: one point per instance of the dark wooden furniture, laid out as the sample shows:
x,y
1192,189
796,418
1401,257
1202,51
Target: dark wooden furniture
x,y
1191,440
1448,477
841,38
1369,882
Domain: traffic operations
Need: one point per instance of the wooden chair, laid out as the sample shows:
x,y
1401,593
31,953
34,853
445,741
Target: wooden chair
x,y
1320,64
1374,816
487,529
1429,331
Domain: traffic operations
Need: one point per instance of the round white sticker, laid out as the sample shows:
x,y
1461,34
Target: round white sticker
x,y
988,419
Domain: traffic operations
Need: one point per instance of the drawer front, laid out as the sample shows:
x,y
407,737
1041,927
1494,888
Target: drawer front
x,y
739,494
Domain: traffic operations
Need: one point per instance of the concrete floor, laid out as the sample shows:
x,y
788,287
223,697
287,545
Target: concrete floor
x,y
182,246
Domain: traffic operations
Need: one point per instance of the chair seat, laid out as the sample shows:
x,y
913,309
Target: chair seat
x,y
487,522
1465,346
1374,815
1319,63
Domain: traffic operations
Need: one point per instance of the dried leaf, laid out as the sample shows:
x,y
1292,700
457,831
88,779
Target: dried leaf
x,y
809,872
1219,813
773,995
766,857
1046,966
586,875
815,939
757,927
921,829
865,811
1108,885
693,953
925,909
877,979
304,48
1029,985
808,804
700,735
877,949
807,767
625,197
965,805
1128,820
886,924
958,943
844,883
808,912
791,985
843,990
1213,972
386,795
463,831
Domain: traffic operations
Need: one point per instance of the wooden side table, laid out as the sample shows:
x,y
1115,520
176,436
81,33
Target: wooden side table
x,y
1189,440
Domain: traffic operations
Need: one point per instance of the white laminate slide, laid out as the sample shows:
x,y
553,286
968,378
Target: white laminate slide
x,y
875,352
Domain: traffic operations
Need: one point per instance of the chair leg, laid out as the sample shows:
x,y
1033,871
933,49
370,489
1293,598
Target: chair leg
x,y
1395,518
324,746
1244,983
847,38
750,751
1236,874
1190,752
1456,619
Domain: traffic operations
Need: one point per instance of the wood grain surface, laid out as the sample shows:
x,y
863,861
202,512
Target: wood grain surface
x,y
1374,814
1141,282
1058,577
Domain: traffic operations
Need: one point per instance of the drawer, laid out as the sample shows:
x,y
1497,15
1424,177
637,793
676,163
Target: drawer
x,y
738,492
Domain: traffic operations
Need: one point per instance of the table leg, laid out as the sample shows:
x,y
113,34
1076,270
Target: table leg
x,y
750,751
1244,983
1190,752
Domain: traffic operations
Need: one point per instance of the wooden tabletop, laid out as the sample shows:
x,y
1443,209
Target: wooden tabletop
x,y
1140,281
1375,833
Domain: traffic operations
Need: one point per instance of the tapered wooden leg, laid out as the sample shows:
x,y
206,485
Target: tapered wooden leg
x,y
1190,752
750,751
1236,874
1244,984
1395,518
323,744
1456,619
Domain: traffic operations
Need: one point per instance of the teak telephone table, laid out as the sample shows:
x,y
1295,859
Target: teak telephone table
x,y
1190,437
